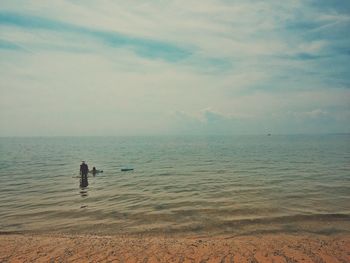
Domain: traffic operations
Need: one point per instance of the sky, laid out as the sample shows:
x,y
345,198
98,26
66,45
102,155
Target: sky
x,y
156,67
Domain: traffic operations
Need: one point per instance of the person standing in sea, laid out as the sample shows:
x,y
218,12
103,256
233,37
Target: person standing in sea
x,y
84,169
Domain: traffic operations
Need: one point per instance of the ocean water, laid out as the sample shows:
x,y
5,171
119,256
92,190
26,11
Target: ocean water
x,y
209,185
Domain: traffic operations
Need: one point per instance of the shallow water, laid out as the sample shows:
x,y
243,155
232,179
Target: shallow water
x,y
180,185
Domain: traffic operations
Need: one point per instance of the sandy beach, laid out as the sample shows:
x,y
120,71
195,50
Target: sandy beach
x,y
92,248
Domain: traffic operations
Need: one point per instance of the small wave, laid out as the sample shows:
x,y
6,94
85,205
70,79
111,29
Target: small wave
x,y
290,218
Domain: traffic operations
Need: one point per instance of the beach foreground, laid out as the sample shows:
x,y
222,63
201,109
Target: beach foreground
x,y
92,248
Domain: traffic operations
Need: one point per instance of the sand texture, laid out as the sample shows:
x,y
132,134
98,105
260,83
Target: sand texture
x,y
90,248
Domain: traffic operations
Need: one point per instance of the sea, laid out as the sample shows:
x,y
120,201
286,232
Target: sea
x,y
179,185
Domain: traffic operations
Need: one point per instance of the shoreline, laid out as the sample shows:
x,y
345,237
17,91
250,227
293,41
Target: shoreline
x,y
15,247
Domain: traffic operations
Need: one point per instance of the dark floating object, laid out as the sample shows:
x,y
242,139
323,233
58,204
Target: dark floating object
x,y
126,169
96,171
269,134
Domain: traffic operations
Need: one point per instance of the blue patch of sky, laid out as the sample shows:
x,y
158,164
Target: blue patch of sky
x,y
339,6
300,25
303,56
144,47
4,44
305,21
331,61
336,32
291,79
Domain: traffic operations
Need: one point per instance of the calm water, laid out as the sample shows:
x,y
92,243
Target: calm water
x,y
180,185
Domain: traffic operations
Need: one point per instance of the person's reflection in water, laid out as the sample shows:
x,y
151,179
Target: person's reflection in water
x,y
84,186
84,182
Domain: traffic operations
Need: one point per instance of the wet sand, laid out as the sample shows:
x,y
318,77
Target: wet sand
x,y
92,248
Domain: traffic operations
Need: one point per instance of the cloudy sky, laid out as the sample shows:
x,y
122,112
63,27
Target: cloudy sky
x,y
174,67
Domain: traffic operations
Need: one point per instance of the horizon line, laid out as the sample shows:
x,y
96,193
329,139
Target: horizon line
x,y
176,135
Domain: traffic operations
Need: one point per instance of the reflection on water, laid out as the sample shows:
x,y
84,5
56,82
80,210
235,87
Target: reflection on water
x,y
83,191
179,185
84,182
84,187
